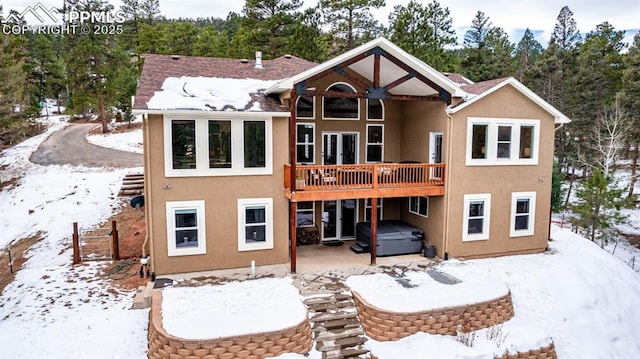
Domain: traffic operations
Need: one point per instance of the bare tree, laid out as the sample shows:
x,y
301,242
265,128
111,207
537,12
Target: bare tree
x,y
607,139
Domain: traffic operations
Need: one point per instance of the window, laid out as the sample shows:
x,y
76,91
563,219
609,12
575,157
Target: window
x,y
255,224
367,209
219,144
523,211
183,144
479,141
185,228
419,206
502,142
375,143
254,144
217,147
305,107
477,208
305,214
526,141
375,110
341,108
305,144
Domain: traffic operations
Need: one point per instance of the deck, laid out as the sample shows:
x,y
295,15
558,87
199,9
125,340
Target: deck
x,y
379,180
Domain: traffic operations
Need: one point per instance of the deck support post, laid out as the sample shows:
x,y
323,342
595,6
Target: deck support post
x,y
292,177
374,230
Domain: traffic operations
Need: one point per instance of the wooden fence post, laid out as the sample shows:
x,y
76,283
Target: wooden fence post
x,y
115,245
76,244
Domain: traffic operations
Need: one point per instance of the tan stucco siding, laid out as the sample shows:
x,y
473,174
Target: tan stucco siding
x,y
419,119
220,194
499,181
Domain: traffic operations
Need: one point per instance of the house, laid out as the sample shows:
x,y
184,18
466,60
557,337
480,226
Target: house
x,y
238,153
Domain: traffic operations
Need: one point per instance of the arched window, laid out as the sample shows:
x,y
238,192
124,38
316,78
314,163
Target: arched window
x,y
341,107
305,107
375,109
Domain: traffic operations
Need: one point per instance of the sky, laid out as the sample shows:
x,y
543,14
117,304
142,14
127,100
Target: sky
x,y
514,16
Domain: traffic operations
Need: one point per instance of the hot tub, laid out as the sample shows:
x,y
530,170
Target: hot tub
x,y
394,237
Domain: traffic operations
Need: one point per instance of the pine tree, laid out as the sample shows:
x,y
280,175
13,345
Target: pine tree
x,y
528,51
424,32
350,22
599,205
598,77
487,50
267,26
552,77
629,97
309,41
96,66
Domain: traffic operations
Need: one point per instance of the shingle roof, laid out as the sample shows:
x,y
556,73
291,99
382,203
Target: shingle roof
x,y
459,79
157,68
480,87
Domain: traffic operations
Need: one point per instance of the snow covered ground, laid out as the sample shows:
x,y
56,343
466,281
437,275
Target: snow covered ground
x,y
130,141
584,298
52,309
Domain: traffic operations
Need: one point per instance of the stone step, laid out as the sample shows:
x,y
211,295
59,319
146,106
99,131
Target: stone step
x,y
329,306
347,353
143,296
334,324
339,344
339,334
323,317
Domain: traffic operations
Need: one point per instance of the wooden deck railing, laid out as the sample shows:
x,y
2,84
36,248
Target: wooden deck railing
x,y
365,176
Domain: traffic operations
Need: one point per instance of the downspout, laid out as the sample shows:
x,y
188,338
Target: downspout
x,y
144,260
550,209
447,181
292,179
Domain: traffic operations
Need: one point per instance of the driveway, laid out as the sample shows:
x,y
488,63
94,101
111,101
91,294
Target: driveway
x,y
69,146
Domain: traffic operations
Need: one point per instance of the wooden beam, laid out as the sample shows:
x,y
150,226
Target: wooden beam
x,y
373,242
292,178
420,77
433,98
401,80
376,70
343,64
293,243
327,195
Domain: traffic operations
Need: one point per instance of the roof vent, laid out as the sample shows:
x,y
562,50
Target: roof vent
x,y
244,61
258,60
175,57
287,56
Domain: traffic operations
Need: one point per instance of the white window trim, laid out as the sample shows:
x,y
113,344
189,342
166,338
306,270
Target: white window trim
x,y
375,119
313,214
246,202
171,207
357,118
492,141
515,196
202,149
468,198
313,109
313,154
368,206
381,144
418,213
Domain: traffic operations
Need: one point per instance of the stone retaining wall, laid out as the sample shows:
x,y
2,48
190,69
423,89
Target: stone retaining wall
x,y
296,339
548,352
383,325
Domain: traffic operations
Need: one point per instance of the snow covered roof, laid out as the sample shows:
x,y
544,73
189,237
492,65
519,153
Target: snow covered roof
x,y
170,82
